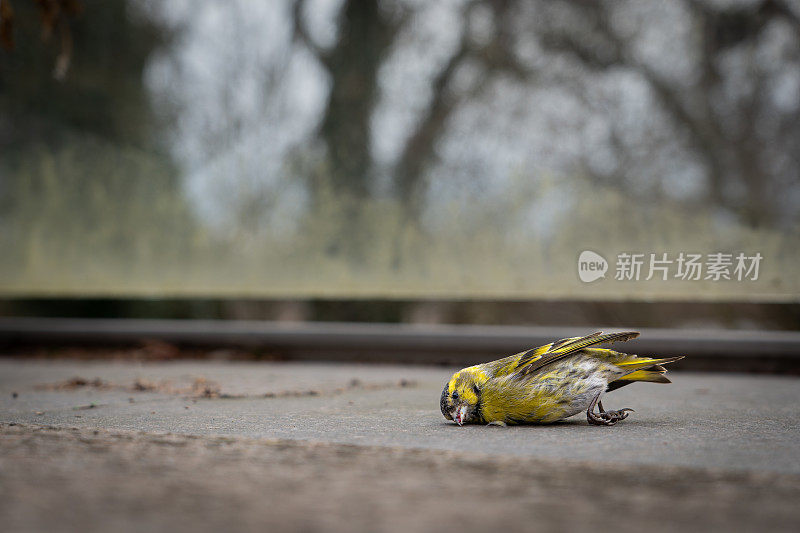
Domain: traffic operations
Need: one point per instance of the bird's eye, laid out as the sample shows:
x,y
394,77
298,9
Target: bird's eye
x,y
455,395
476,389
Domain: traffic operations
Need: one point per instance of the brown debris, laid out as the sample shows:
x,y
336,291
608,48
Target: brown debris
x,y
202,387
75,383
140,385
199,388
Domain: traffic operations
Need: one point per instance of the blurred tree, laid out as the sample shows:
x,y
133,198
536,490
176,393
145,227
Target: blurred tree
x,y
367,31
103,94
364,35
83,176
744,140
739,133
741,137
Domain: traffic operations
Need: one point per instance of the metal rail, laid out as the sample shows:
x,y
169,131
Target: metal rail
x,y
770,351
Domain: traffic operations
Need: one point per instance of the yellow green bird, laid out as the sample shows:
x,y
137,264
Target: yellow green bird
x,y
549,383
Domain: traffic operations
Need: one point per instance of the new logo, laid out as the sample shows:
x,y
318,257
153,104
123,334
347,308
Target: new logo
x,y
591,266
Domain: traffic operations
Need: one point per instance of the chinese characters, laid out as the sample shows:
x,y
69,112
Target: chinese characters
x,y
688,266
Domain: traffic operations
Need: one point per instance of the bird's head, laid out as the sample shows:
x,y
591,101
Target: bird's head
x,y
461,397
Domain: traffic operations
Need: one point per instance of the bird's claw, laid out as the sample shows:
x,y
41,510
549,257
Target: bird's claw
x,y
607,418
621,414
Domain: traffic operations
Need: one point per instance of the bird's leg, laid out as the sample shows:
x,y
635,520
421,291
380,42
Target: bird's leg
x,y
593,418
605,418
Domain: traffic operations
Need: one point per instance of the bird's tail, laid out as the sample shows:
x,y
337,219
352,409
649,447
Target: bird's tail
x,y
643,369
653,376
647,363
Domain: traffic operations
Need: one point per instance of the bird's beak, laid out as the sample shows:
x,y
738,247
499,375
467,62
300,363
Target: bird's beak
x,y
460,414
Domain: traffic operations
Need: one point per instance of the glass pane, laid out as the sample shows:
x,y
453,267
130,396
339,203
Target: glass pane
x,y
344,148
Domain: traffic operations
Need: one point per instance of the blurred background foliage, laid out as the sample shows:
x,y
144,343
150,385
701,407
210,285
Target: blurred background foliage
x,y
400,149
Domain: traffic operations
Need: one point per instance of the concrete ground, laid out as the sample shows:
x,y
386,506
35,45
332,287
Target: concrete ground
x,y
278,446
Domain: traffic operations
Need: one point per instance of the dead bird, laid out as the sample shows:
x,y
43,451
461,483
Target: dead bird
x,y
549,383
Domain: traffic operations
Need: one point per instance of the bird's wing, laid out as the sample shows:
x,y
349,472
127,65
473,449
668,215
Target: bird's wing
x,y
534,359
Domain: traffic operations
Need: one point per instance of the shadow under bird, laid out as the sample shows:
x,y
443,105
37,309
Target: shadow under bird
x,y
549,383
